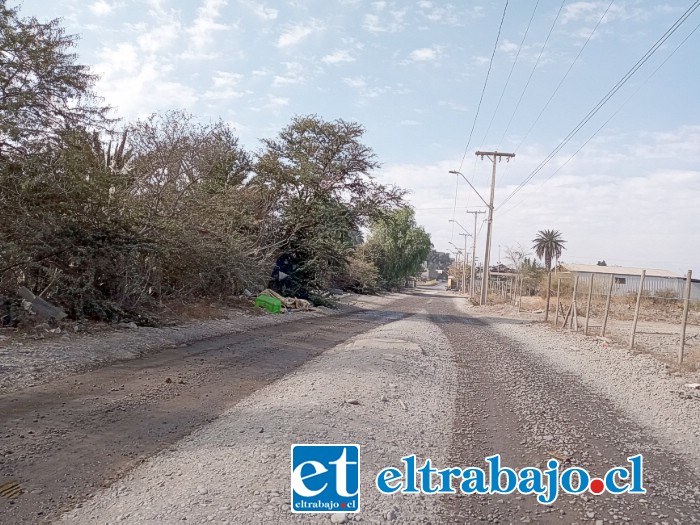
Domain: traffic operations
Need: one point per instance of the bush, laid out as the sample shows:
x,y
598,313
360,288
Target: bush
x,y
362,277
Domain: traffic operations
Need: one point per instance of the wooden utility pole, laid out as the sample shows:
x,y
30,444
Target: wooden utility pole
x,y
493,156
472,286
464,265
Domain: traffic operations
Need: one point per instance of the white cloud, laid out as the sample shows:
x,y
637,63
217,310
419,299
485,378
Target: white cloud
x,y
425,54
225,86
367,91
338,56
266,13
294,74
355,82
102,8
508,47
447,14
160,37
139,88
271,104
392,23
592,11
607,204
296,33
203,28
277,102
408,122
452,105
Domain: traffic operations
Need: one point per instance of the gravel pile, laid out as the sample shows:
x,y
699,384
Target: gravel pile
x,y
638,384
384,390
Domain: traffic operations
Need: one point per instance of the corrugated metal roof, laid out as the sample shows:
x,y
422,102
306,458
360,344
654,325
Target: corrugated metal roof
x,y
619,270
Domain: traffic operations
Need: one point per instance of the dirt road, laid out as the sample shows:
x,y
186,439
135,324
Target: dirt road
x,y
202,434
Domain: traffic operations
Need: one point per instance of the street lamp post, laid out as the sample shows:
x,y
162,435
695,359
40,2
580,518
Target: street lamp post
x,y
464,263
484,275
494,156
458,252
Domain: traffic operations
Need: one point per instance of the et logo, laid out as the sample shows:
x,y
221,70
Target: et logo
x,y
325,478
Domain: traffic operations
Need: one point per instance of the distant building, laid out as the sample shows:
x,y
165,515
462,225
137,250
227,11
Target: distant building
x,y
437,265
661,283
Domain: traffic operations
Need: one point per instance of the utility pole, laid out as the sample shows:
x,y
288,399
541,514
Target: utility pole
x,y
473,278
464,264
493,156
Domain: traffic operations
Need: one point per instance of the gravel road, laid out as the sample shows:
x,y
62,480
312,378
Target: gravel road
x,y
422,375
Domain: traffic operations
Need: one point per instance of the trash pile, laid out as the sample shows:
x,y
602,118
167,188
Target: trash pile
x,y
275,303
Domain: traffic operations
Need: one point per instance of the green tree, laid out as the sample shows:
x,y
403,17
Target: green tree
x,y
398,246
548,245
42,90
317,182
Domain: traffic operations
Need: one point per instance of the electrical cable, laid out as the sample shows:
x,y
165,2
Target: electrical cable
x,y
510,73
483,89
517,106
611,116
625,78
551,97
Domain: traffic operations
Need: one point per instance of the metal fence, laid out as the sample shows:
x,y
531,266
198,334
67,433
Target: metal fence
x,y
629,306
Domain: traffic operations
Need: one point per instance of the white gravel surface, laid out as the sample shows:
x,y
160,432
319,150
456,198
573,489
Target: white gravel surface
x,y
236,470
638,384
28,362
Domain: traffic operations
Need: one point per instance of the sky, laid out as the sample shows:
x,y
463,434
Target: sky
x,y
610,160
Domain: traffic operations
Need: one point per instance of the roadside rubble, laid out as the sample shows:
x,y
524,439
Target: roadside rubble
x,y
289,303
35,358
35,305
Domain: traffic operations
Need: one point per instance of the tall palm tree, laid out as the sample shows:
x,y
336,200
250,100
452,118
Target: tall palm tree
x,y
548,245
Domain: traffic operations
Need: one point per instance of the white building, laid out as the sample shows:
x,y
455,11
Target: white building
x,y
662,283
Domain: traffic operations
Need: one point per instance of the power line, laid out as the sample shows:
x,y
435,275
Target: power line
x,y
611,116
580,51
510,73
607,97
483,89
517,106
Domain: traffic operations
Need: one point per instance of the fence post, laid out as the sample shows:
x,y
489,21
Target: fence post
x,y
607,306
520,294
686,305
574,320
556,318
588,306
636,309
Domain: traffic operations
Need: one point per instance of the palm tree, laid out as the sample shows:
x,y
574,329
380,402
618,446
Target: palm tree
x,y
548,245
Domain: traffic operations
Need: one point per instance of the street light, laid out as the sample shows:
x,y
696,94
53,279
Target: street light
x,y
464,265
458,224
459,251
487,251
454,172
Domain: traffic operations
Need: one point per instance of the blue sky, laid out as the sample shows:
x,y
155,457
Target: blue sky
x,y
413,72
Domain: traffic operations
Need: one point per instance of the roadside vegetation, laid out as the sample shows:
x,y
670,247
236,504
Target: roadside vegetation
x,y
107,219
